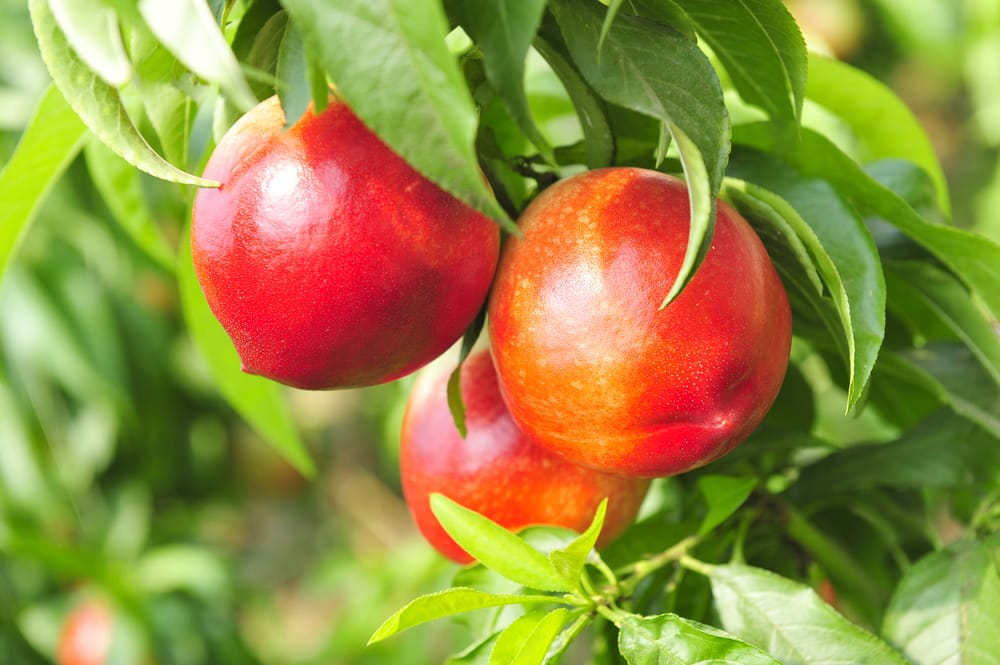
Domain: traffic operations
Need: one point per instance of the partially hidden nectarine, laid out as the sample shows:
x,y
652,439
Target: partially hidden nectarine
x,y
497,470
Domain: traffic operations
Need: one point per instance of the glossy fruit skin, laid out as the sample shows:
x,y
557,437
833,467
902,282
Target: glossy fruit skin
x,y
329,260
593,369
87,635
497,470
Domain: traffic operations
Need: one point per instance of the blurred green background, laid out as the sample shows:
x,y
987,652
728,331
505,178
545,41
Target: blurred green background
x,y
124,476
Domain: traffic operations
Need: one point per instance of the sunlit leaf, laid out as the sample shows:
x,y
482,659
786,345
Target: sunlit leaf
x,y
885,126
526,641
49,143
790,621
945,609
496,547
570,560
668,639
446,603
97,103
724,495
188,30
91,28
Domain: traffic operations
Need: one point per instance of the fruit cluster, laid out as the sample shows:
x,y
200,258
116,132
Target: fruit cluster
x,y
332,263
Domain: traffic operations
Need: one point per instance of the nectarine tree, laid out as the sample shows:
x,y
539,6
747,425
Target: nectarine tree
x,y
731,287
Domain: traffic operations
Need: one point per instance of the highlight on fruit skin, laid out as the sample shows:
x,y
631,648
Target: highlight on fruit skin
x,y
497,470
589,364
329,261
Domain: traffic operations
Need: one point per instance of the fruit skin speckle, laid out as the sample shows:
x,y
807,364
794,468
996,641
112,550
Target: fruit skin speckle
x,y
497,470
593,369
330,262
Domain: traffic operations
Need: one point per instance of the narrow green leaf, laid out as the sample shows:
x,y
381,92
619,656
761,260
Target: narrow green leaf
x,y
654,70
91,28
446,603
953,304
789,620
945,609
956,377
667,12
881,121
97,103
455,402
293,71
844,251
259,401
526,641
170,111
668,639
389,61
598,138
973,258
724,495
503,31
497,548
614,6
188,29
49,143
120,186
570,560
759,44
930,455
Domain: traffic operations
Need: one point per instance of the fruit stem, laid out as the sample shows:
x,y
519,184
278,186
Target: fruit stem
x,y
597,562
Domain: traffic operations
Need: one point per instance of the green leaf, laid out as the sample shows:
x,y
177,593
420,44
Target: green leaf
x,y
953,374
188,29
844,250
91,28
971,257
97,103
526,641
570,560
49,143
667,12
759,44
668,639
789,620
455,402
654,70
503,31
953,304
497,548
724,495
598,138
293,70
945,609
170,111
884,125
930,455
389,61
446,603
259,401
120,186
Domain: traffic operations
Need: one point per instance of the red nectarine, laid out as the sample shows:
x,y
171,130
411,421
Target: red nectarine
x,y
328,259
497,470
590,365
